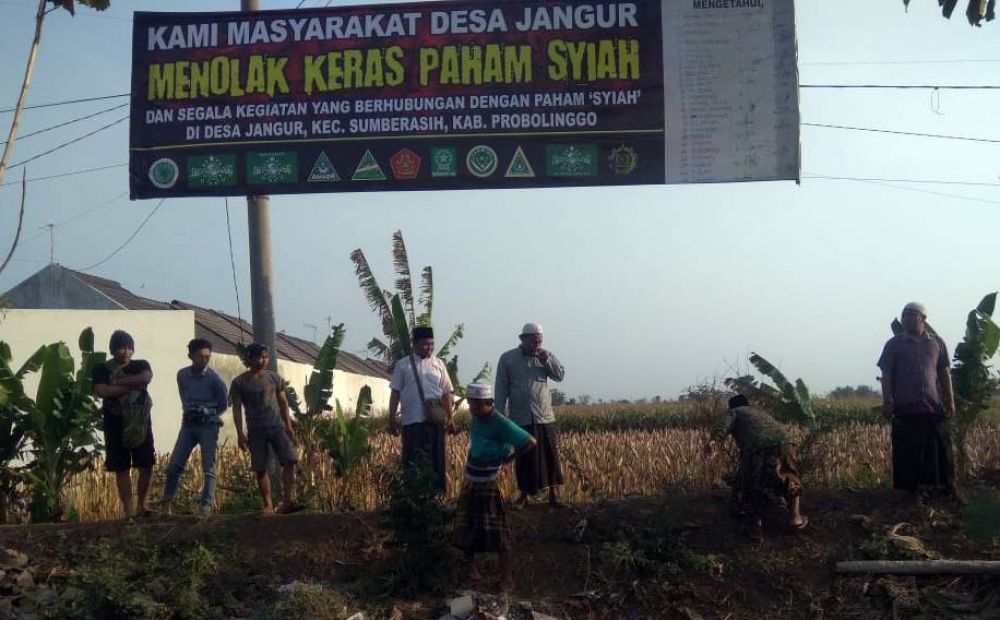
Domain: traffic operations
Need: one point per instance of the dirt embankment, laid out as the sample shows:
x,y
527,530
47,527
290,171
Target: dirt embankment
x,y
679,555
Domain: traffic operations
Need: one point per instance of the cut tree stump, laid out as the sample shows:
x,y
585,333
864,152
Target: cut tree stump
x,y
921,567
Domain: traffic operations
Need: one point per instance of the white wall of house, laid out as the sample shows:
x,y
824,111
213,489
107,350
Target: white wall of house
x,y
345,385
161,338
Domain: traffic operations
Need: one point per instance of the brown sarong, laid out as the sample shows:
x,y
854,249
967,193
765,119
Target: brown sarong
x,y
766,477
482,523
540,468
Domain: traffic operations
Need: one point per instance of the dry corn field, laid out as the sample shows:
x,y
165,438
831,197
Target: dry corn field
x,y
597,464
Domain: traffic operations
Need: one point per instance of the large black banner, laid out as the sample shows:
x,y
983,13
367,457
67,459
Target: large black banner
x,y
432,95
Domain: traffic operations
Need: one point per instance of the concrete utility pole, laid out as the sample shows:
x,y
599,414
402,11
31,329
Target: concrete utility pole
x,y
261,290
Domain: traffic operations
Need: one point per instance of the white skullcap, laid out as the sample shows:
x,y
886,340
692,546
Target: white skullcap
x,y
481,389
917,306
531,328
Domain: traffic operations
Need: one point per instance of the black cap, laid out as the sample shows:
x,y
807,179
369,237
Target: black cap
x,y
421,332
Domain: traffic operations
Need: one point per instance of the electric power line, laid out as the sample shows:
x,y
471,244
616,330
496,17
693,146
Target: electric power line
x,y
65,144
898,62
129,240
927,191
903,133
77,216
232,262
66,174
66,102
69,122
897,180
907,86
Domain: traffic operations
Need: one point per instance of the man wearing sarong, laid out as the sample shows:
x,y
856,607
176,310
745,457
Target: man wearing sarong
x,y
918,400
423,437
482,523
522,394
768,466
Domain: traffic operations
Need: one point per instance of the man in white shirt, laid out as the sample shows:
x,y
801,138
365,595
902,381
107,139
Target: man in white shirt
x,y
423,436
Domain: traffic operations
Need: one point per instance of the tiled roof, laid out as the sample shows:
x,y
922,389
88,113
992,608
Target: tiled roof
x,y
225,331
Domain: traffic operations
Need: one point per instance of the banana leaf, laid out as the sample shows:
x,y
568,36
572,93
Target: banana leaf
x,y
452,340
401,329
57,373
378,349
319,388
404,283
32,364
426,295
795,397
373,292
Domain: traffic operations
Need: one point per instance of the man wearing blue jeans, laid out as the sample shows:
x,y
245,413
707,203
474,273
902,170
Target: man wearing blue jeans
x,y
204,399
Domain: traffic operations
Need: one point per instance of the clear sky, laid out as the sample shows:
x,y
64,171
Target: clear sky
x,y
643,290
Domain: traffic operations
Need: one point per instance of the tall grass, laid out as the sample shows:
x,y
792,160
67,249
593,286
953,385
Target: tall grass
x,y
614,457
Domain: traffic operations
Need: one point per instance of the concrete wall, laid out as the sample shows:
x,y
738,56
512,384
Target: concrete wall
x,y
161,338
345,385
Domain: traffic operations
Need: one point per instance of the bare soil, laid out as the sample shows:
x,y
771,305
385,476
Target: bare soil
x,y
681,555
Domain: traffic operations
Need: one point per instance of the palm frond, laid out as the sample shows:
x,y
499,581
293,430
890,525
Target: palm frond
x,y
426,296
451,341
373,292
404,283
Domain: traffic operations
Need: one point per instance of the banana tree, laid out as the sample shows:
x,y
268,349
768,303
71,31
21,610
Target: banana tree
x,y
12,402
974,382
347,440
787,401
317,393
60,423
401,311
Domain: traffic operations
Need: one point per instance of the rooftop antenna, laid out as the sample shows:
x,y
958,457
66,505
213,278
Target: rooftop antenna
x,y
314,328
52,240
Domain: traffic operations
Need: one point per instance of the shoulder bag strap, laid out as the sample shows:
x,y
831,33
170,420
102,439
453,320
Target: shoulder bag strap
x,y
416,377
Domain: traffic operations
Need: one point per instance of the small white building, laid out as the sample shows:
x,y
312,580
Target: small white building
x,y
58,303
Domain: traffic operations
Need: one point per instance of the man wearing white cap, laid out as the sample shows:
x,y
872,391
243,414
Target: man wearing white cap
x,y
522,394
918,399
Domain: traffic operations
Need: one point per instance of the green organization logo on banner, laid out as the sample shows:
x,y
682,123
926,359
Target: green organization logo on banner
x,y
571,160
164,173
481,161
323,170
368,169
520,167
211,171
444,162
275,168
623,160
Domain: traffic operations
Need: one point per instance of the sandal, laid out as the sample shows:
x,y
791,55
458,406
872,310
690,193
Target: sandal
x,y
801,526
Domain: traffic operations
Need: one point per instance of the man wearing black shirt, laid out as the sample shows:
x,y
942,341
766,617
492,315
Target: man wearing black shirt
x,y
118,378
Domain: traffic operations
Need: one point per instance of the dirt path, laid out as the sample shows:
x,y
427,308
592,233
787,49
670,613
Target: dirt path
x,y
680,555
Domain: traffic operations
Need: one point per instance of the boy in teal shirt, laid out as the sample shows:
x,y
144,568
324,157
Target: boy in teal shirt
x,y
482,523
